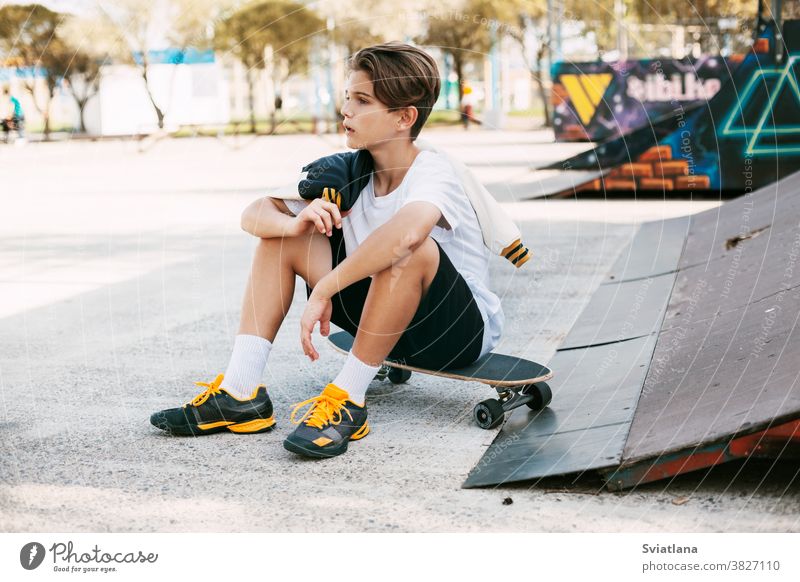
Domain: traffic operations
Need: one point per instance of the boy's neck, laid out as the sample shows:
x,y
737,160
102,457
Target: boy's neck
x,y
391,161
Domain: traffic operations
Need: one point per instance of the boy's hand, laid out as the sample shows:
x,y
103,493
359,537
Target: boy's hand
x,y
318,309
320,215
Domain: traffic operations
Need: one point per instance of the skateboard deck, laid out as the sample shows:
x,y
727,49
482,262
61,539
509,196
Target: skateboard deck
x,y
493,369
517,381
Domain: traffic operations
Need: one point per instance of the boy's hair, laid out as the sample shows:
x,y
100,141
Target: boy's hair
x,y
402,76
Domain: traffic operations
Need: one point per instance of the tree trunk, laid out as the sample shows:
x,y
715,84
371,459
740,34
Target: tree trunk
x,y
44,111
159,113
81,107
278,101
548,120
251,99
82,99
537,73
47,126
458,67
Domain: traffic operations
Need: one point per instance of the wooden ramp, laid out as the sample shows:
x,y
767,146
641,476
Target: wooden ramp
x,y
687,355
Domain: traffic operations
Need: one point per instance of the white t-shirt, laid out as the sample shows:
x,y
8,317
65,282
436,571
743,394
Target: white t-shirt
x,y
432,179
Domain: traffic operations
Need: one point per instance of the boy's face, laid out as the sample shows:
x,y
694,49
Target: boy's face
x,y
367,121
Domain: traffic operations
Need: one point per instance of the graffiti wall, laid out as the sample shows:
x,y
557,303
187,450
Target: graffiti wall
x,y
598,101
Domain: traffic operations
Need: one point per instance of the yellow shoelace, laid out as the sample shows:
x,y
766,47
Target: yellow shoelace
x,y
211,388
324,409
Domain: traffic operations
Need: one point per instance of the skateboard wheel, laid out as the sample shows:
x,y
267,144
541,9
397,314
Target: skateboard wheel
x,y
399,375
383,371
488,414
541,395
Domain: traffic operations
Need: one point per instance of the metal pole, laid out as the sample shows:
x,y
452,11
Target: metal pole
x,y
777,8
497,97
446,82
559,21
316,63
622,41
331,55
549,35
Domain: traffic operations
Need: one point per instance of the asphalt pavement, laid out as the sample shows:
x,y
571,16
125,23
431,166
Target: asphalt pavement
x,y
123,267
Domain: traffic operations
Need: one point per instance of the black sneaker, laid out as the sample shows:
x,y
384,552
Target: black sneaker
x,y
328,425
215,410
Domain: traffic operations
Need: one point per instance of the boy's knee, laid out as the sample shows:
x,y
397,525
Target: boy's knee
x,y
423,258
428,250
426,254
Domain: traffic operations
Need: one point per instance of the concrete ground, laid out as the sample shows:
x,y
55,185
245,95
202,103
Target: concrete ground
x,y
123,267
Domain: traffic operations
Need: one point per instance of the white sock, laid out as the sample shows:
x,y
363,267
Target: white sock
x,y
355,378
247,365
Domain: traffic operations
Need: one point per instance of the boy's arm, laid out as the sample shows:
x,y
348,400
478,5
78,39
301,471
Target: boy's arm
x,y
386,246
266,218
272,217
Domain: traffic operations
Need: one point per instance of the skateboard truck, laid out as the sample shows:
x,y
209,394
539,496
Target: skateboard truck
x,y
490,413
395,375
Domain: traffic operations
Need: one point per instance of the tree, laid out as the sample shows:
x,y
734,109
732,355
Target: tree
x,y
30,35
238,36
360,23
354,34
682,11
83,81
676,13
278,30
83,72
518,18
134,28
288,37
458,34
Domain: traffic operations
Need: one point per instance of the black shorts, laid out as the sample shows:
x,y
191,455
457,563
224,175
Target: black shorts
x,y
446,330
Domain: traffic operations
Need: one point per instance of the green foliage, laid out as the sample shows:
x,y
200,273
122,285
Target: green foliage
x,y
27,33
35,36
690,11
286,27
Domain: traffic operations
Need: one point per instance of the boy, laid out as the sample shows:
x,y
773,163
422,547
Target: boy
x,y
405,270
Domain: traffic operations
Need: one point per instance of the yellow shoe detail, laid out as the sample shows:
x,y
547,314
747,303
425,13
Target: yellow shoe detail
x,y
361,433
254,393
210,425
210,389
256,425
321,441
323,409
215,387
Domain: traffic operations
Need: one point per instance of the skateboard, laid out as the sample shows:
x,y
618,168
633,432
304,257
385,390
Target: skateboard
x,y
518,382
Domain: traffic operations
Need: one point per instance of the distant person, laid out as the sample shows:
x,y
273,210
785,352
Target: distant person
x,y
466,107
402,265
13,118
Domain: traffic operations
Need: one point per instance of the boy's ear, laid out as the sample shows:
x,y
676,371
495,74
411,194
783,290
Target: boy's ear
x,y
408,117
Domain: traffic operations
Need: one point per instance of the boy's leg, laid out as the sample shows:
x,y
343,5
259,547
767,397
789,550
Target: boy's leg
x,y
267,298
339,414
270,287
423,313
237,401
393,299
